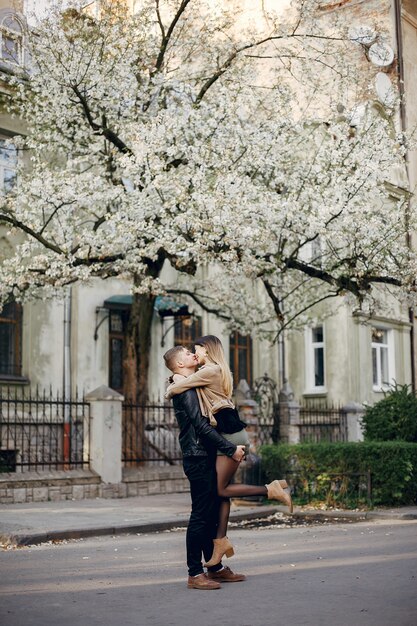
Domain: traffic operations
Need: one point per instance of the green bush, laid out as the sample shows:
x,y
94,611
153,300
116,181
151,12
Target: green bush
x,y
392,418
337,473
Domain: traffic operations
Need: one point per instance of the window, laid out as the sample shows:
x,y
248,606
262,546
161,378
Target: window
x,y
11,340
382,368
8,164
11,45
315,369
186,331
117,328
240,357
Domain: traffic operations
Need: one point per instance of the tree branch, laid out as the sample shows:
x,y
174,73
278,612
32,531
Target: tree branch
x,y
304,309
200,302
354,285
50,218
227,63
158,14
167,36
109,134
29,231
274,299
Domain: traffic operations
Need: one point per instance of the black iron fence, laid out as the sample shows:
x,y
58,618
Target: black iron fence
x,y
265,393
40,431
150,431
322,424
150,434
315,425
268,428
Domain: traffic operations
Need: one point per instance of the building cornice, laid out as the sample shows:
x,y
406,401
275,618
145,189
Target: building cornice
x,y
369,320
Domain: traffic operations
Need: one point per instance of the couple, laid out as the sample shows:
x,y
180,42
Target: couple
x,y
213,441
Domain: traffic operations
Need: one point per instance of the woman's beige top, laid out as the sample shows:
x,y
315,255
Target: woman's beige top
x,y
208,383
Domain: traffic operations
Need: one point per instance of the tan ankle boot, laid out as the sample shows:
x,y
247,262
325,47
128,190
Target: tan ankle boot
x,y
276,492
221,547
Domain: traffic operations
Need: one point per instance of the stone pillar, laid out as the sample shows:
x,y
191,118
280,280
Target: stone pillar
x,y
106,433
248,411
289,415
354,413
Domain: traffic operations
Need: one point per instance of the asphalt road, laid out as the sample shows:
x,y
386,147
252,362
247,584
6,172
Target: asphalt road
x,y
326,575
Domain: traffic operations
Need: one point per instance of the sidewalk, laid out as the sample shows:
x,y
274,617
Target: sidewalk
x,y
25,524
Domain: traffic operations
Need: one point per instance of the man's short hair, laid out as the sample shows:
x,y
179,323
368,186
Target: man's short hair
x,y
172,356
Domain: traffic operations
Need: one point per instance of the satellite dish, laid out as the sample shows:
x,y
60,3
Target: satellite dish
x,y
381,54
385,90
362,34
357,114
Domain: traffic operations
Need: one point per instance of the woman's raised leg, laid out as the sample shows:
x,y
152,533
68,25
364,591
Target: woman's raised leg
x,y
226,468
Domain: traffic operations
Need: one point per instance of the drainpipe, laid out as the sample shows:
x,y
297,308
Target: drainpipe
x,y
67,377
282,375
403,118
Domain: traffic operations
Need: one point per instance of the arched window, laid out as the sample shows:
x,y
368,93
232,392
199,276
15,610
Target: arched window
x,y
11,33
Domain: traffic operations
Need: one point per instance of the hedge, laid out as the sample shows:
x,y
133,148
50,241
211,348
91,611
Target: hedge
x,y
392,418
337,472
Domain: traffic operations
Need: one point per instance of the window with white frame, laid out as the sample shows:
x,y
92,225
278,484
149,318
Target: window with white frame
x,y
315,361
382,358
8,165
11,40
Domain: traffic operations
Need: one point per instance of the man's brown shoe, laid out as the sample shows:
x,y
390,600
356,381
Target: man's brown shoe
x,y
202,582
226,575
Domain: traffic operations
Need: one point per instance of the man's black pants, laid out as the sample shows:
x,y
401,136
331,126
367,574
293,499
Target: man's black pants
x,y
202,526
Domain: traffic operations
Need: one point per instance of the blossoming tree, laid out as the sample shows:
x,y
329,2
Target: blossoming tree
x,y
183,135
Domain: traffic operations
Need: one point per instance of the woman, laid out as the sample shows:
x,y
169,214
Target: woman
x,y
213,382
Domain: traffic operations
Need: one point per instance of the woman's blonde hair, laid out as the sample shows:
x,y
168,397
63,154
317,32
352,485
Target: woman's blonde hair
x,y
215,353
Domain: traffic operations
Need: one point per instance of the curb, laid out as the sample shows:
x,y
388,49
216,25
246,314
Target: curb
x,y
359,516
26,539
21,540
83,533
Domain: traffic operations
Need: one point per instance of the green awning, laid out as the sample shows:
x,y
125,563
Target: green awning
x,y
118,302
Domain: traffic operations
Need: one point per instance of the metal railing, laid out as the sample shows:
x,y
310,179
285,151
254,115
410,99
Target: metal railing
x,y
265,393
149,434
322,424
268,429
40,431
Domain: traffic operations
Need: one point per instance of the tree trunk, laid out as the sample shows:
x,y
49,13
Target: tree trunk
x,y
138,343
138,348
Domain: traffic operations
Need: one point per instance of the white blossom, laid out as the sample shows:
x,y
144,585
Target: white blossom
x,y
222,146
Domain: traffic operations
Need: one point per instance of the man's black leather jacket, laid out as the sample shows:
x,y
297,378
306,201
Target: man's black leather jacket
x,y
197,437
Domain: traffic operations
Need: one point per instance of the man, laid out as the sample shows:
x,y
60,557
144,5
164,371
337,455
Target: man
x,y
199,443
